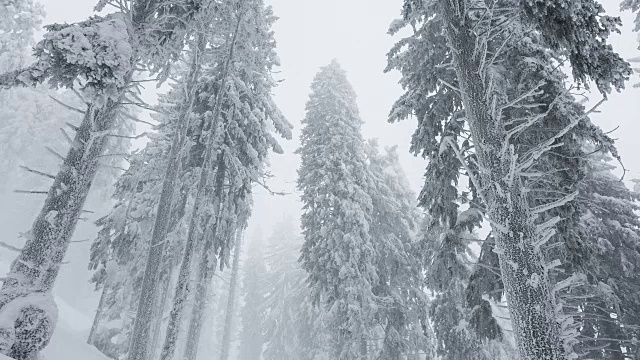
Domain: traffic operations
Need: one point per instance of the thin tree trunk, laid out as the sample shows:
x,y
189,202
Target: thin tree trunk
x,y
197,313
531,304
206,270
204,276
231,300
148,291
182,287
159,311
98,317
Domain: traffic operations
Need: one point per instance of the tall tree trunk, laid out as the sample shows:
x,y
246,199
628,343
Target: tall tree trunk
x,y
197,314
531,304
148,291
159,312
231,300
182,287
204,276
206,270
38,264
98,317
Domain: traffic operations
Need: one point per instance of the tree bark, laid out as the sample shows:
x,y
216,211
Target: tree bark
x,y
531,304
159,312
231,300
38,264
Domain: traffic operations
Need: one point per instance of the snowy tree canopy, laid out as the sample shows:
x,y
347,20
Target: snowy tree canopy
x,y
338,251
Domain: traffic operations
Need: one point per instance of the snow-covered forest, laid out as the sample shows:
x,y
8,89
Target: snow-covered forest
x,y
319,180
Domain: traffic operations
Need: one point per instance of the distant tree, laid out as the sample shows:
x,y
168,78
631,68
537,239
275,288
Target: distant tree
x,y
338,251
394,227
238,123
293,327
253,291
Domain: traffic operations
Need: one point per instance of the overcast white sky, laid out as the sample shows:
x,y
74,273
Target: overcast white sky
x,y
311,33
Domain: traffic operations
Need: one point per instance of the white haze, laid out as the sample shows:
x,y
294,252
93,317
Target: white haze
x,y
310,34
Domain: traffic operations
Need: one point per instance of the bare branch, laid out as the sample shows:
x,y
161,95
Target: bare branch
x,y
66,106
9,247
30,192
37,172
54,153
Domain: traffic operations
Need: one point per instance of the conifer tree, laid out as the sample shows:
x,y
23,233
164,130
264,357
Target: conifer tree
x,y
102,69
393,228
612,227
237,117
338,252
499,153
118,253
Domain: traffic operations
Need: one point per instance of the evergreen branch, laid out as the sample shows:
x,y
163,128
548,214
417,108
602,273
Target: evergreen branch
x,y
554,204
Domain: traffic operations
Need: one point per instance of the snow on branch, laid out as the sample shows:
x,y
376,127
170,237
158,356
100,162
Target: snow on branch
x,y
454,147
554,204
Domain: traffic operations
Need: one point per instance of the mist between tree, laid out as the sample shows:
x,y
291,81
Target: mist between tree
x,y
148,144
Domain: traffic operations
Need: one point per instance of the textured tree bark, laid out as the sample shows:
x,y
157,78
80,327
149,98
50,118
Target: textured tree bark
x,y
231,300
527,287
165,284
38,264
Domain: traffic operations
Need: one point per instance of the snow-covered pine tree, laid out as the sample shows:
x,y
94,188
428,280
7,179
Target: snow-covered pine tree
x,y
179,115
19,20
338,252
393,229
238,118
612,227
45,116
252,312
105,83
474,49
